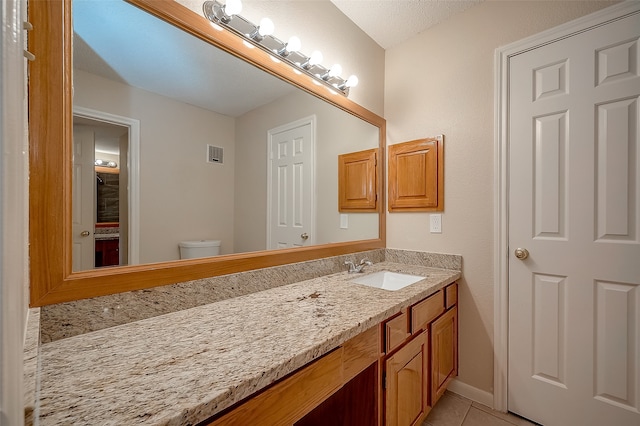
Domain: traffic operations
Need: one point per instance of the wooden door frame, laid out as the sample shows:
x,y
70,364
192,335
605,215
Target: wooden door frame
x,y
310,121
133,165
503,56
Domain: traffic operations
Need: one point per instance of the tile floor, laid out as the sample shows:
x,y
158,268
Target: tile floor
x,y
455,410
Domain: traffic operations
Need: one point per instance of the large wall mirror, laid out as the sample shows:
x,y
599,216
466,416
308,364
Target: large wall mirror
x,y
168,137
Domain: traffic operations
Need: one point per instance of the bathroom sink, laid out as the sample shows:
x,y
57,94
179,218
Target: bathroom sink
x,y
387,280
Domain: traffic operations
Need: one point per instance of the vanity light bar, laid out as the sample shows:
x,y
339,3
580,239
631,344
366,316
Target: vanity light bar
x,y
105,163
218,13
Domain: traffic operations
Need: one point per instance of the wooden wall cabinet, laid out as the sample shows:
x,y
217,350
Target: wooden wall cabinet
x,y
357,181
416,175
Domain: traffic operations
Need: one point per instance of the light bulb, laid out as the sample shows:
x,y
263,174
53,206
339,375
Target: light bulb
x,y
352,81
294,44
315,58
233,7
335,70
266,27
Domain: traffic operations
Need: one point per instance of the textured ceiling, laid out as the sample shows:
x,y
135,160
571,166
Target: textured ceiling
x,y
390,22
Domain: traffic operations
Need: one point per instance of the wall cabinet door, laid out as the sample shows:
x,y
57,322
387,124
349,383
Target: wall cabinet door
x,y
407,390
444,352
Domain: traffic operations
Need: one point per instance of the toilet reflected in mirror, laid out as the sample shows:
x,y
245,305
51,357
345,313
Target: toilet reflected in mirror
x,y
199,248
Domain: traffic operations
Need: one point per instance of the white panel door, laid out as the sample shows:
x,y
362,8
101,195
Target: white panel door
x,y
574,204
291,187
84,199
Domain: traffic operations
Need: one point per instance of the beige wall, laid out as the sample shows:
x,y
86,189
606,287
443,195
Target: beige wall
x,y
337,132
182,197
442,82
321,26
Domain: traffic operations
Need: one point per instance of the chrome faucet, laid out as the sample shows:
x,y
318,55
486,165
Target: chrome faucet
x,y
355,269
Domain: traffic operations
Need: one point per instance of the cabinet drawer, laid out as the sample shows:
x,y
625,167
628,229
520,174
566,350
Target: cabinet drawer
x,y
395,331
451,295
424,312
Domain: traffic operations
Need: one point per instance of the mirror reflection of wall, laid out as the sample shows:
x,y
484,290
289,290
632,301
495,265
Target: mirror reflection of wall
x,y
170,83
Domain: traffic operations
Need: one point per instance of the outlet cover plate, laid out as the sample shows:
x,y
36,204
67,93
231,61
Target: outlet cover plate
x,y
435,223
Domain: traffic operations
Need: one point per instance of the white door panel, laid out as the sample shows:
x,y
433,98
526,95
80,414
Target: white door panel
x,y
291,187
574,204
83,209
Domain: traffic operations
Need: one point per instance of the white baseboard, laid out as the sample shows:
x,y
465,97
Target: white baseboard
x,y
470,392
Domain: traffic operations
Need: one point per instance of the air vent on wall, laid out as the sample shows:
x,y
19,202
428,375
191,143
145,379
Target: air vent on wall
x,y
214,154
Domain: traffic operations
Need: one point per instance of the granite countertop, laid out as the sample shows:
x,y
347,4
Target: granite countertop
x,y
183,367
112,236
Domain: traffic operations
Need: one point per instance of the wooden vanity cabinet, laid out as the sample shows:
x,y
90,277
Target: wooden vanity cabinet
x,y
327,389
444,352
418,369
391,374
107,252
406,378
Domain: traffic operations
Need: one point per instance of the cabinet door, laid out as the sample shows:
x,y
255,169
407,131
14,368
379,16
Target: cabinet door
x,y
444,352
357,181
407,390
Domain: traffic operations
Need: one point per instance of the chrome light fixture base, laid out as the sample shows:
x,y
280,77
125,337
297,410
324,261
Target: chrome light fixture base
x,y
215,12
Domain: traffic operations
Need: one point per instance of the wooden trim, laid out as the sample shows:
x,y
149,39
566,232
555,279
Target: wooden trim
x,y
360,352
292,398
298,394
50,128
107,224
110,170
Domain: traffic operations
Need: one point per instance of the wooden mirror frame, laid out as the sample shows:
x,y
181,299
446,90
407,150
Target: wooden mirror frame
x,y
50,164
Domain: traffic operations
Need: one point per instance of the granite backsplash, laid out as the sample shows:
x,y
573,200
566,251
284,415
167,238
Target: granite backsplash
x,y
68,319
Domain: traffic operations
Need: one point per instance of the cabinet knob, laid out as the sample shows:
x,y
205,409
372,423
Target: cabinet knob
x,y
304,236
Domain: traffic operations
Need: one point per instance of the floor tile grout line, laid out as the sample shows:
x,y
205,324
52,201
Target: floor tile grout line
x,y
465,415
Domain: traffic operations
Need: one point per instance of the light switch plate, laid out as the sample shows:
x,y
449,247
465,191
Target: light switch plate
x,y
344,221
435,223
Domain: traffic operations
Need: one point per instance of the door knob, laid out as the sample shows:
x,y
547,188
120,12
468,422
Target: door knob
x,y
521,253
304,236
85,233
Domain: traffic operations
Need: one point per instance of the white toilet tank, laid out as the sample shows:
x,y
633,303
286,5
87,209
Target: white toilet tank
x,y
199,248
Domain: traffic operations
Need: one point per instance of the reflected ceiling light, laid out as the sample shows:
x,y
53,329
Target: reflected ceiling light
x,y
105,163
228,16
